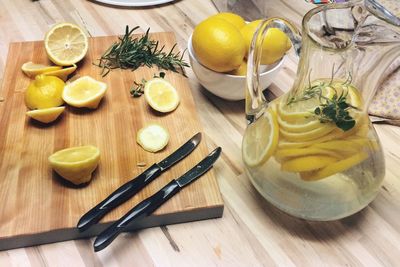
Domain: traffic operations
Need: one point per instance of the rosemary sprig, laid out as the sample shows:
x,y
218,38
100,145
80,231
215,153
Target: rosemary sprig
x,y
335,109
138,87
133,52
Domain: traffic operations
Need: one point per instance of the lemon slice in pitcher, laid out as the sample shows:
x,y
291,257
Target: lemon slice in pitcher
x,y
66,44
260,139
76,164
84,92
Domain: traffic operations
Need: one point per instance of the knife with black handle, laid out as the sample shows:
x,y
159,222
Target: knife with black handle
x,y
150,204
127,190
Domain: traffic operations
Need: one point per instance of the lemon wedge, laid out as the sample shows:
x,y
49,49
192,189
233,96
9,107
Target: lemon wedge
x,y
66,44
46,115
62,73
32,69
153,137
260,139
161,95
84,92
76,164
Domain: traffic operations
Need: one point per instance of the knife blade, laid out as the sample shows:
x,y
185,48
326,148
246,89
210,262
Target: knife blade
x,y
147,206
127,190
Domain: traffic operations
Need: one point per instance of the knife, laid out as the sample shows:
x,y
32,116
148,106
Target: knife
x,y
127,190
147,206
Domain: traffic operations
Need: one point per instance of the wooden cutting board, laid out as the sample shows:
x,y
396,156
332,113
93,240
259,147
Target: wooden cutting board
x,y
38,207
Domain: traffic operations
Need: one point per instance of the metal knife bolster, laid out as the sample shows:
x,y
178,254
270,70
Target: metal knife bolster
x,y
118,197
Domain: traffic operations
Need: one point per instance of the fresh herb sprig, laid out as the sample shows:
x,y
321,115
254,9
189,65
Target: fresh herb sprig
x,y
335,109
138,87
133,52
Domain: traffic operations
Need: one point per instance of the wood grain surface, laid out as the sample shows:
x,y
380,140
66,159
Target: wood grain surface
x,y
251,232
39,206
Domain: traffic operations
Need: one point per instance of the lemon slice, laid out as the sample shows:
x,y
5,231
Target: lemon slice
x,y
321,131
84,92
46,115
62,73
66,44
302,110
334,168
152,137
260,139
76,164
296,152
32,69
307,163
161,95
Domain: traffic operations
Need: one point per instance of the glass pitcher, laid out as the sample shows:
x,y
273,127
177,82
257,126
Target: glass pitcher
x,y
313,152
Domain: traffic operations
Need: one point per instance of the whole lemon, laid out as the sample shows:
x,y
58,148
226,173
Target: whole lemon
x,y
241,71
218,45
233,18
44,92
275,44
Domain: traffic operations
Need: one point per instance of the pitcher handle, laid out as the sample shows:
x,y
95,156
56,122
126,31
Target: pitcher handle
x,y
255,100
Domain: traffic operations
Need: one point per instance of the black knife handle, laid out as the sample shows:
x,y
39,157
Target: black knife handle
x,y
119,196
144,208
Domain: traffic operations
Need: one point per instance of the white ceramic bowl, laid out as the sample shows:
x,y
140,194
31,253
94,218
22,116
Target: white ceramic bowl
x,y
227,86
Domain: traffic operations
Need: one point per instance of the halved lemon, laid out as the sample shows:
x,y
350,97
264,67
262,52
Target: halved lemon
x,y
76,164
335,167
62,73
84,92
260,139
66,44
32,69
161,95
153,137
46,115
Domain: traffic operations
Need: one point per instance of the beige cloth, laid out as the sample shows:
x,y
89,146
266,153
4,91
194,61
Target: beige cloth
x,y
385,106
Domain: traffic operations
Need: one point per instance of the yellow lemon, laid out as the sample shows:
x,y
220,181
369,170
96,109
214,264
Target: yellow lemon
x,y
84,92
232,18
76,164
161,95
62,73
297,152
241,71
153,137
260,139
218,45
66,44
45,115
32,69
275,44
44,92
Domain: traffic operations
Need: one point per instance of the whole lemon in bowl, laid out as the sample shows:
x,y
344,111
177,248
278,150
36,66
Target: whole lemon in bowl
x,y
44,92
232,18
275,44
218,44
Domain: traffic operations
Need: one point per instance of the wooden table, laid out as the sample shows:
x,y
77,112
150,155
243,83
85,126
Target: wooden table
x,y
251,232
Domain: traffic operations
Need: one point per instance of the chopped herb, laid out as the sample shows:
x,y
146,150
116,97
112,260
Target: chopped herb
x,y
138,87
133,52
